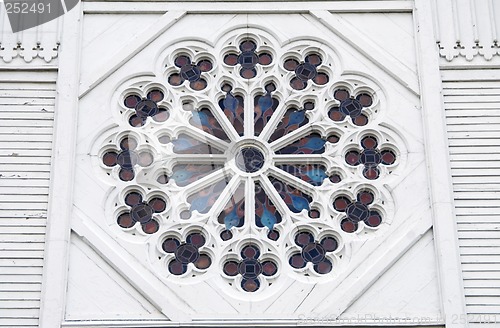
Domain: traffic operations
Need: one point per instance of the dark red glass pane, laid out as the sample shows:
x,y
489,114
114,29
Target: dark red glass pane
x,y
273,235
371,173
348,226
248,45
323,267
197,239
333,138
136,121
125,220
265,59
131,101
126,175
133,198
150,227
164,139
341,94
303,238
340,203
309,105
369,142
314,214
182,60
226,88
158,204
365,197
374,220
250,285
175,79
145,158
335,114
162,179
388,157
321,79
250,252
231,268
155,95
297,84
128,143
198,85
205,65
269,268
162,115
109,158
177,268
297,261
352,157
170,245
248,73
226,235
335,178
360,120
365,99
231,59
329,244
185,215
313,59
290,64
204,261
270,87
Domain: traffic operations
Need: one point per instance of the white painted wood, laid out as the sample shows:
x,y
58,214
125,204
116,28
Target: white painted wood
x,y
445,230
23,191
474,166
59,210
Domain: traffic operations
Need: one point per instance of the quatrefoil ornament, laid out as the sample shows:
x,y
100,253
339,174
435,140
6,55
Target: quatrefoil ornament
x,y
190,72
357,211
142,212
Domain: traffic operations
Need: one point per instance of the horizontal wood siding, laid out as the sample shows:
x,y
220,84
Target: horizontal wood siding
x,y
472,103
26,123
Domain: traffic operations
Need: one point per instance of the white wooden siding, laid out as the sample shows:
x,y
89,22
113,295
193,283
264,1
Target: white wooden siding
x,y
472,104
26,122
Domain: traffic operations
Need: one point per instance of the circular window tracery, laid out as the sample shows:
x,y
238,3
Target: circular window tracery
x,y
251,162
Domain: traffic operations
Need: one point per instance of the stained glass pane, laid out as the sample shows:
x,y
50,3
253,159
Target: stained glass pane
x,y
185,174
266,214
311,173
291,121
206,121
295,199
233,214
311,144
186,144
203,200
264,108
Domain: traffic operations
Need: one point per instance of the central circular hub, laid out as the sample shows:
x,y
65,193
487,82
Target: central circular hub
x,y
249,159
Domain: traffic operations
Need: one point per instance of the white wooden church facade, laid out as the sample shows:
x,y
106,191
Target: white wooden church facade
x,y
370,197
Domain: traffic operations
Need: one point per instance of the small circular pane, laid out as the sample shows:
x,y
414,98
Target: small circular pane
x,y
313,59
177,268
365,99
371,173
203,262
323,267
187,253
369,142
158,204
303,238
231,268
231,59
126,175
374,220
250,252
388,157
265,59
341,94
131,101
205,65
150,227
366,197
352,158
198,85
250,285
142,213
273,235
155,95
110,158
297,262
182,60
226,235
133,198
348,226
249,159
340,203
298,84
248,45
250,268
169,245
175,79
125,220
329,244
196,239
313,252
269,268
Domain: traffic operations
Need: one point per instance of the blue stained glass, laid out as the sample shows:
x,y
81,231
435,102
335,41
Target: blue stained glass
x,y
312,173
203,200
295,199
232,106
264,109
233,215
186,144
312,144
185,174
292,120
266,214
206,121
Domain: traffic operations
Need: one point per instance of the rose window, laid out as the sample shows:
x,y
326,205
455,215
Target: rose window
x,y
255,156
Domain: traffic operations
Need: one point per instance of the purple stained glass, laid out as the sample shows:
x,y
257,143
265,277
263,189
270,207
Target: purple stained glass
x,y
206,121
249,159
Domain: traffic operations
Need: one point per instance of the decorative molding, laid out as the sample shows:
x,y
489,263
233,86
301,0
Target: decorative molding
x,y
466,28
38,45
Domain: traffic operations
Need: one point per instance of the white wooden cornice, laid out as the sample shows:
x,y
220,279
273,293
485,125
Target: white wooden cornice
x,y
38,45
467,29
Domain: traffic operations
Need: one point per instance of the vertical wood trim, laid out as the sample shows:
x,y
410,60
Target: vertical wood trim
x,y
63,157
440,184
491,9
473,15
456,21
